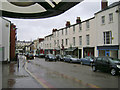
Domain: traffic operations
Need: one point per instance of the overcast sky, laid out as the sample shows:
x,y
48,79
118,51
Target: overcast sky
x,y
31,29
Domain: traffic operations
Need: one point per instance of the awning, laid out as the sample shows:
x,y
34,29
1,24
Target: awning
x,y
111,47
71,49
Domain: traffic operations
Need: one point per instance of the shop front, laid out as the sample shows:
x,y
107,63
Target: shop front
x,y
72,51
111,51
88,51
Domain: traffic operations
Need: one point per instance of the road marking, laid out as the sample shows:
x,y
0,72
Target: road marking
x,y
39,80
73,78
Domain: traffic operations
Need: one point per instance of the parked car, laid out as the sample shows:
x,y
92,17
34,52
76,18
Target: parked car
x,y
36,55
50,57
59,57
71,59
30,56
41,55
88,60
107,64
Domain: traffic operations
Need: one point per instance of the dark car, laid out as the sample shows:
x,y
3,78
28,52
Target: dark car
x,y
59,57
107,64
88,60
50,57
30,56
71,59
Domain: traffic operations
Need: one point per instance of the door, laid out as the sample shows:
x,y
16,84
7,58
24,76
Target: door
x,y
105,64
107,53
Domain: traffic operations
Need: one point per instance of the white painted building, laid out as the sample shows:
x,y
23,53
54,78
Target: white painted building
x,y
4,39
97,36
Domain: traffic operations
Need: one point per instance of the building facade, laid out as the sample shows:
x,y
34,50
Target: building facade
x,y
97,36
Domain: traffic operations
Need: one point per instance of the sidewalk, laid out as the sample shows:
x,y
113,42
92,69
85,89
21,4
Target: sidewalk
x,y
14,77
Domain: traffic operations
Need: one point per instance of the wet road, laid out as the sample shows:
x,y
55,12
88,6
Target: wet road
x,y
38,73
66,75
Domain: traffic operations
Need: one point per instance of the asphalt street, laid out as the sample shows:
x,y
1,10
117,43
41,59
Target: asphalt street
x,y
39,73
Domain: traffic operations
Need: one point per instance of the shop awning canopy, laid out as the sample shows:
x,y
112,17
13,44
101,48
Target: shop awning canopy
x,y
71,49
31,9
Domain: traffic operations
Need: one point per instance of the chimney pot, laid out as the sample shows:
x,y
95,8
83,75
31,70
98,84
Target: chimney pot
x,y
104,4
68,24
78,20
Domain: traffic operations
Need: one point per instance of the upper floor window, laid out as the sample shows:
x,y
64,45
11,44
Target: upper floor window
x,y
88,39
57,33
80,40
58,42
73,41
80,27
107,37
66,42
73,29
62,32
50,45
103,19
66,31
111,17
87,24
62,41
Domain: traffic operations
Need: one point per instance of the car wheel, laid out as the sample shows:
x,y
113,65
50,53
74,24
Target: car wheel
x,y
81,63
94,68
113,72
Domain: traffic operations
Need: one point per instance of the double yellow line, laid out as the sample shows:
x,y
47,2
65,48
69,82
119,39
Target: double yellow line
x,y
40,82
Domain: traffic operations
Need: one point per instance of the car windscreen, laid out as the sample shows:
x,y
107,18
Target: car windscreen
x,y
51,55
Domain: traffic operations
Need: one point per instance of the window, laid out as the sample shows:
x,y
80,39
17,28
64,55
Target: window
x,y
58,42
80,40
62,41
73,29
66,31
87,25
103,19
73,41
66,42
80,27
107,37
62,32
54,42
111,17
57,33
50,45
87,39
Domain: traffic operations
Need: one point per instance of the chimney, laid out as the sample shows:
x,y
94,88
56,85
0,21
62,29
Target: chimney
x,y
54,30
78,20
68,24
104,4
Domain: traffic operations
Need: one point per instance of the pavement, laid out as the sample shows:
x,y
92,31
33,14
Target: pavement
x,y
14,75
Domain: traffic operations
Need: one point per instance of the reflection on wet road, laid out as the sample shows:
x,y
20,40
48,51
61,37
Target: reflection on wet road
x,y
65,75
38,73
